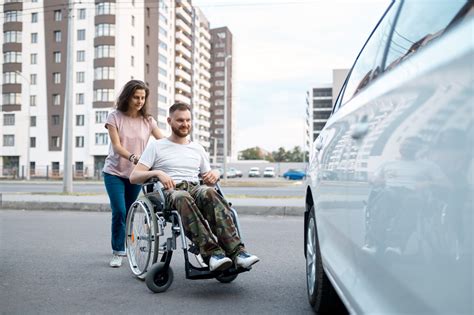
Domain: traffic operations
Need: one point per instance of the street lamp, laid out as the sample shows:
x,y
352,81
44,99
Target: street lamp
x,y
28,126
225,115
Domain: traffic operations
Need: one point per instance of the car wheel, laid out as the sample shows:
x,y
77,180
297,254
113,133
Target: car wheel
x,y
321,294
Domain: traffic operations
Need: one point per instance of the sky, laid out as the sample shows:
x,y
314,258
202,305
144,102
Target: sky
x,y
283,48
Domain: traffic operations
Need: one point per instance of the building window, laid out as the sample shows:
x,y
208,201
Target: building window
x,y
219,73
105,30
57,57
219,93
34,38
101,138
10,78
32,121
33,78
163,45
79,120
81,55
57,36
56,99
103,95
58,15
12,37
12,57
55,119
221,35
132,61
8,140
11,98
162,98
32,100
104,73
34,17
162,58
57,77
80,98
81,14
101,116
162,71
104,51
34,59
12,16
9,119
219,83
162,31
32,142
56,143
133,20
133,41
79,142
80,77
105,8
81,34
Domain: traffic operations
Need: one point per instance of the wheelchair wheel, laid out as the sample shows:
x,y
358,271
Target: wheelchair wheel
x,y
158,279
226,279
141,238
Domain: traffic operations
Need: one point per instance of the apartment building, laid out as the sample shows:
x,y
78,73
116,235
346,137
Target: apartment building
x,y
222,111
319,101
165,43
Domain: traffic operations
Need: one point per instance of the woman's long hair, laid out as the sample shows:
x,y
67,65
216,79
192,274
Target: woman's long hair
x,y
128,91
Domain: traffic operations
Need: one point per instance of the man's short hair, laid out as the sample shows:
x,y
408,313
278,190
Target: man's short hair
x,y
179,106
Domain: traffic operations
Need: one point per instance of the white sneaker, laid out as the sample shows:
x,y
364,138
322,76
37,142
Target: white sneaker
x,y
116,261
245,260
219,262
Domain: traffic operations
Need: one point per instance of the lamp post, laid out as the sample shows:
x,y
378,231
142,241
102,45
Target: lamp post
x,y
225,115
28,126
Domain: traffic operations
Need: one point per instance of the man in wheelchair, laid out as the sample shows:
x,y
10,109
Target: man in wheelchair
x,y
177,162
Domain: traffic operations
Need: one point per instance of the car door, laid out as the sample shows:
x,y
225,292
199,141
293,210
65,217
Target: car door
x,y
389,122
333,153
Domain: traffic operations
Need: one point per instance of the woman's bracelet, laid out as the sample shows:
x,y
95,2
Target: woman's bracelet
x,y
131,157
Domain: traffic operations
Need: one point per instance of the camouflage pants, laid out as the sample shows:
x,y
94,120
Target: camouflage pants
x,y
206,219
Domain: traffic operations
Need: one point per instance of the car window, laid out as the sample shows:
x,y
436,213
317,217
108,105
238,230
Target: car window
x,y
419,24
368,64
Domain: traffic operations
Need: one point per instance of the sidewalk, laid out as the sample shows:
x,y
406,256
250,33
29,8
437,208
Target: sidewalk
x,y
100,202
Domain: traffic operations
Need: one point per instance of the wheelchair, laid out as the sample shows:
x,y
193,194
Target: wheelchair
x,y
149,259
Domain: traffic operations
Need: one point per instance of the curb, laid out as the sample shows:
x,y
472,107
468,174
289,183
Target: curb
x,y
101,207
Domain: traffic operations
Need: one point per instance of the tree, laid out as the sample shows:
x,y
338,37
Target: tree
x,y
281,155
250,154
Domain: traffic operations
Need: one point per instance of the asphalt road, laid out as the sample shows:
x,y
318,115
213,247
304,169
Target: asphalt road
x,y
57,263
97,187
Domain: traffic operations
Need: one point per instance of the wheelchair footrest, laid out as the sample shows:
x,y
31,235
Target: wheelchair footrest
x,y
195,273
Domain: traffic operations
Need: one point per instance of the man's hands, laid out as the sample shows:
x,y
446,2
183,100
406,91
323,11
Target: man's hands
x,y
164,178
211,177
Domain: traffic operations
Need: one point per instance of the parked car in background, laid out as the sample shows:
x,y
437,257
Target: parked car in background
x,y
238,173
294,174
254,172
269,172
230,173
392,232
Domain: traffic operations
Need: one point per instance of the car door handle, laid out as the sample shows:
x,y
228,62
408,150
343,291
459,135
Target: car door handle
x,y
360,129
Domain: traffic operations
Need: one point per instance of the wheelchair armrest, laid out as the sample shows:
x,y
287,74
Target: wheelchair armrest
x,y
149,185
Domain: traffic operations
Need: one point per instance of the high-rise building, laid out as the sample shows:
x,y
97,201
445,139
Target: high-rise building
x,y
165,43
319,102
221,95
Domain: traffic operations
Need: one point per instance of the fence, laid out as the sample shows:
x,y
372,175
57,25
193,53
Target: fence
x,y
49,173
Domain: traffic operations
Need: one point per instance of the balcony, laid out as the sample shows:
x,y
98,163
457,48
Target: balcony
x,y
205,93
205,73
182,99
181,61
184,38
183,74
183,87
182,49
182,25
205,33
205,53
205,64
182,13
205,83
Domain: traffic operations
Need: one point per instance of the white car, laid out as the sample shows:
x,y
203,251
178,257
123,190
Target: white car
x,y
254,172
269,172
237,172
392,233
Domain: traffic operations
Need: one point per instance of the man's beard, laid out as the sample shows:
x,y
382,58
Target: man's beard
x,y
180,132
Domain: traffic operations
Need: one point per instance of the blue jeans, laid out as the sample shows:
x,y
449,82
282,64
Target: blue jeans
x,y
121,195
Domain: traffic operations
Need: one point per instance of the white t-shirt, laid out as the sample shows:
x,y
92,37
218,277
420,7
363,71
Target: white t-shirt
x,y
179,161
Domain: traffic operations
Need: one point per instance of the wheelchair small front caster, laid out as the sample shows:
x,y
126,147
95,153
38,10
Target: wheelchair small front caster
x,y
158,279
226,279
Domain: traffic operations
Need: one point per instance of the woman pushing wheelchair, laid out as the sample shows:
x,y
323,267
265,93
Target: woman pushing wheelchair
x,y
206,216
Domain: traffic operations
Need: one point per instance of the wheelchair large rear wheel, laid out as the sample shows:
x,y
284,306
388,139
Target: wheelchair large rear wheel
x,y
141,238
